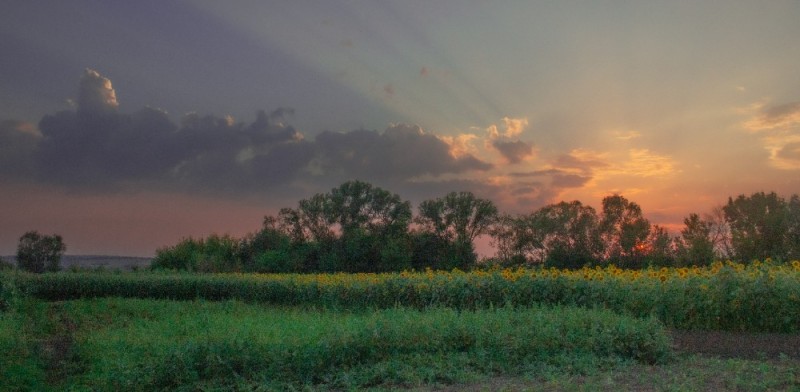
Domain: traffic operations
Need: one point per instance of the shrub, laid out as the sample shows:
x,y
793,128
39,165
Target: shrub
x,y
6,265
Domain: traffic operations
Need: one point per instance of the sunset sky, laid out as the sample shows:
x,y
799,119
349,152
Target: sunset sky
x,y
128,125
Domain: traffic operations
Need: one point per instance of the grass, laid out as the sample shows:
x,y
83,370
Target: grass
x,y
126,344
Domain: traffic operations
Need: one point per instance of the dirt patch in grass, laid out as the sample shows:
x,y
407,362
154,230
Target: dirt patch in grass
x,y
737,344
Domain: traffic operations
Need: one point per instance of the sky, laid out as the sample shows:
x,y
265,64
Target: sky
x,y
126,126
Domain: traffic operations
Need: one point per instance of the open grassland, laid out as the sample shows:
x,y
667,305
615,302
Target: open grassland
x,y
526,329
760,297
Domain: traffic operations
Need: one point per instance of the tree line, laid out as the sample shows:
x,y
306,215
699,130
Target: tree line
x,y
358,227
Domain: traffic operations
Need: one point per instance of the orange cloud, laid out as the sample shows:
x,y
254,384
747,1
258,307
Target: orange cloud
x,y
513,128
603,165
774,117
645,163
779,127
625,136
460,145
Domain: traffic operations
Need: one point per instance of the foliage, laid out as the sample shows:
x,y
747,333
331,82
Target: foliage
x,y
695,244
39,253
454,221
6,265
762,296
458,216
764,225
624,231
21,368
159,345
358,227
9,294
213,254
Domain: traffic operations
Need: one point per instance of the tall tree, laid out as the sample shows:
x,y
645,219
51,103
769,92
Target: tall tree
x,y
759,224
571,232
519,239
458,218
696,241
354,227
793,228
39,253
624,230
358,205
719,233
309,222
660,248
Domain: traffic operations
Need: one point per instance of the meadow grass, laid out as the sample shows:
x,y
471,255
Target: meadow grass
x,y
20,368
130,344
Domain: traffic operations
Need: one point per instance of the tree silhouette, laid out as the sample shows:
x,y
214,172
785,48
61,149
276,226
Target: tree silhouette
x,y
39,253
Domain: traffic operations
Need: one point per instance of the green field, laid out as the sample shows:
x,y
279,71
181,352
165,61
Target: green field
x,y
591,329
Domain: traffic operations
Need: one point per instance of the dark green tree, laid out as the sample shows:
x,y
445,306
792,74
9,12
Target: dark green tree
x,y
761,226
39,253
659,247
457,219
793,228
270,250
696,244
309,222
519,240
624,231
215,253
355,227
562,235
571,231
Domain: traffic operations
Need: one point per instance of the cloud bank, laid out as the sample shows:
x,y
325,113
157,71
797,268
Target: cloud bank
x,y
98,147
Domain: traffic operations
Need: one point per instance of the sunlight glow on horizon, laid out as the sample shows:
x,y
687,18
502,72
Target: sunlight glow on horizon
x,y
674,106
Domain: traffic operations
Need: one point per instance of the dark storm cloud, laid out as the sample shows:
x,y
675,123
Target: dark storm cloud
x,y
514,151
18,143
98,147
402,151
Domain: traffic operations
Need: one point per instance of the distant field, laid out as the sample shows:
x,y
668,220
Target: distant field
x,y
125,263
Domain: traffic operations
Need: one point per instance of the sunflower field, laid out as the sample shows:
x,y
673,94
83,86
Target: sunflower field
x,y
761,296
